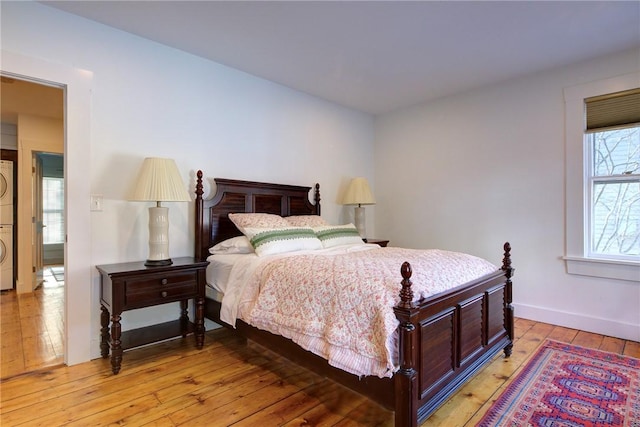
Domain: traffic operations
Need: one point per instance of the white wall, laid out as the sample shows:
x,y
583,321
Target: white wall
x,y
151,100
472,171
35,134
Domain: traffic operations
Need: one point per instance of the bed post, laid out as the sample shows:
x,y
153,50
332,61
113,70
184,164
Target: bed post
x,y
198,210
406,399
508,298
316,198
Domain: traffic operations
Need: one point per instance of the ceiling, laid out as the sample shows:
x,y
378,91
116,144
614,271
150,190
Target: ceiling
x,y
24,97
379,56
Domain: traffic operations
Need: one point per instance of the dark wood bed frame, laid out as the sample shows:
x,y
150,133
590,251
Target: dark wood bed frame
x,y
443,340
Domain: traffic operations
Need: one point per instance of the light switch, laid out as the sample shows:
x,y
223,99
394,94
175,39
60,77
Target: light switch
x,y
96,202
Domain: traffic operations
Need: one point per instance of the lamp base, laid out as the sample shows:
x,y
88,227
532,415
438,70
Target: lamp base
x,y
158,237
360,221
158,262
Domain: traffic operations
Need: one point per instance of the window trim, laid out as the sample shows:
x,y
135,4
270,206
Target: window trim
x,y
577,203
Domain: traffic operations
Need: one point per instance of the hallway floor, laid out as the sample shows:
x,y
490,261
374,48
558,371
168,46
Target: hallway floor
x,y
32,327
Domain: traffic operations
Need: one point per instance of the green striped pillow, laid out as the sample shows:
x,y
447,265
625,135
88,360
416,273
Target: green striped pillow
x,y
269,241
336,235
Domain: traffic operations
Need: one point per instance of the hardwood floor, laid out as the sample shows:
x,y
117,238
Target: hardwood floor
x,y
232,383
32,328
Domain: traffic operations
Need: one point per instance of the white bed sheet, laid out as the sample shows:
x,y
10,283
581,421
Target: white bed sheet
x,y
219,270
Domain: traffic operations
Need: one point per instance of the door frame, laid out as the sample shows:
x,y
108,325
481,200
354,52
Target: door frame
x,y
81,318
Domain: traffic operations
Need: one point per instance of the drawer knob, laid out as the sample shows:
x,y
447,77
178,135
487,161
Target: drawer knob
x,y
164,294
164,281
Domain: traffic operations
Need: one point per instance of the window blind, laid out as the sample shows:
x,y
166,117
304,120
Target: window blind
x,y
613,110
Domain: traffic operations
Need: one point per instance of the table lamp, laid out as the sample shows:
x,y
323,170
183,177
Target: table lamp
x,y
359,193
159,181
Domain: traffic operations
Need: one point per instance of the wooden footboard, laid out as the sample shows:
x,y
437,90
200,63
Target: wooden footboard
x,y
445,339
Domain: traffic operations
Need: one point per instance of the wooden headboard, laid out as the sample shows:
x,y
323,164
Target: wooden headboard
x,y
212,216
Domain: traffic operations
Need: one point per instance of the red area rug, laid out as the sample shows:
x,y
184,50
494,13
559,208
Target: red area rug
x,y
569,386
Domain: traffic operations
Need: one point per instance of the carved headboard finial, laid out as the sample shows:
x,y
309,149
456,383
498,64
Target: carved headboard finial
x,y
199,190
316,198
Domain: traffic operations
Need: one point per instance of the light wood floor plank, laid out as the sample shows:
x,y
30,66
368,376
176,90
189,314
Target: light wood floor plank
x,y
336,402
562,334
588,339
632,348
612,345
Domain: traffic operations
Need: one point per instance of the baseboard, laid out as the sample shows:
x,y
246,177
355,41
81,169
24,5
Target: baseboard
x,y
596,325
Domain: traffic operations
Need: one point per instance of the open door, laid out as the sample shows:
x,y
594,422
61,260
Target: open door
x,y
37,242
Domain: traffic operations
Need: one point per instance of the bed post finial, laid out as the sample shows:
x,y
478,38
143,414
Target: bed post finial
x,y
406,294
506,261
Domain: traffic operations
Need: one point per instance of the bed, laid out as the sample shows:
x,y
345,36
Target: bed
x,y
442,340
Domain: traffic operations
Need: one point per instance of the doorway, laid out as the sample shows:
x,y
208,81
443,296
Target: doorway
x,y
49,216
32,320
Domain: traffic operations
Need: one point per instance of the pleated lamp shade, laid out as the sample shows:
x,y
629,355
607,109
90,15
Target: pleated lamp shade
x,y
160,181
358,193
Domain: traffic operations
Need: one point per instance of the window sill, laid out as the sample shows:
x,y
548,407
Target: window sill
x,y
620,270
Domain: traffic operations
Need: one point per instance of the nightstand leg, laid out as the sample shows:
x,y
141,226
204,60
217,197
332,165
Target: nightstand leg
x,y
184,318
104,332
116,344
199,332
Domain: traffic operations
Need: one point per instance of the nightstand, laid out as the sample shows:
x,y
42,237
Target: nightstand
x,y
132,285
380,242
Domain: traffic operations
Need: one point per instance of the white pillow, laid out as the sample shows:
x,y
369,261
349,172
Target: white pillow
x,y
257,220
269,241
306,221
235,245
336,235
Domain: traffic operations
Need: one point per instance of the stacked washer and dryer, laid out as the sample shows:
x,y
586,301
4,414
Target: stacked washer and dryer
x,y
6,225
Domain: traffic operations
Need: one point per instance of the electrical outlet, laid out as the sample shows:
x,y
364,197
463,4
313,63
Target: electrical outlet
x,y
96,202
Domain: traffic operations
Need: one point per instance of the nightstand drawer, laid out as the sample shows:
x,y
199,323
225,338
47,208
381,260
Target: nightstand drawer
x,y
160,288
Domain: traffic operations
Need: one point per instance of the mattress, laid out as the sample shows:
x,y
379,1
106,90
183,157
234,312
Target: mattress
x,y
218,272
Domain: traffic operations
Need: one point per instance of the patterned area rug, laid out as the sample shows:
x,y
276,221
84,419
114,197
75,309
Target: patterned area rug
x,y
568,386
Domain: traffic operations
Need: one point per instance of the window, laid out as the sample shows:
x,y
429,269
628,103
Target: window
x,y
602,142
53,210
614,193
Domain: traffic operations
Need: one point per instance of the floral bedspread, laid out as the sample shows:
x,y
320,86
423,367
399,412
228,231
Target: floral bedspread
x,y
339,304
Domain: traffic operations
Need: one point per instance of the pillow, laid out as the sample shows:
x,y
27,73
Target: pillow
x,y
235,245
306,221
257,220
269,241
336,235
